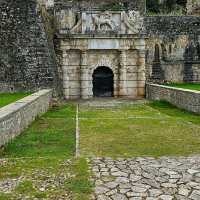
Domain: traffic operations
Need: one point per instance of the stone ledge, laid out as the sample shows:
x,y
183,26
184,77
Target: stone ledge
x,y
175,88
15,117
183,98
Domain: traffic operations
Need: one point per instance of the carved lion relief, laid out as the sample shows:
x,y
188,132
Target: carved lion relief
x,y
133,22
103,22
123,22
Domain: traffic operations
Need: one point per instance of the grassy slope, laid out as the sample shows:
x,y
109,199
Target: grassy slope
x,y
41,154
6,98
191,86
154,129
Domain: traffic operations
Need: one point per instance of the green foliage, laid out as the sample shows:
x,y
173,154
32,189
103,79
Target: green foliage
x,y
173,7
153,6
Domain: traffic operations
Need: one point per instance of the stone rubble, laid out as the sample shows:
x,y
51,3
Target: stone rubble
x,y
146,178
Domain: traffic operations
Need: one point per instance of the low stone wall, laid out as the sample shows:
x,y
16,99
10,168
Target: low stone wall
x,y
15,117
182,98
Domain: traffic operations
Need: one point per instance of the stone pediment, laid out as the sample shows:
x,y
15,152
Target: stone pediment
x,y
100,22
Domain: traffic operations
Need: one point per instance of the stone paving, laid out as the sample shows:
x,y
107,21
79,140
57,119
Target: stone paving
x,y
146,178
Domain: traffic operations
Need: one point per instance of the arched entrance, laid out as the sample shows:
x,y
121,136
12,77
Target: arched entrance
x,y
103,84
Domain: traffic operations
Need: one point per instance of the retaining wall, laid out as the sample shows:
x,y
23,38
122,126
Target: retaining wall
x,y
182,98
15,117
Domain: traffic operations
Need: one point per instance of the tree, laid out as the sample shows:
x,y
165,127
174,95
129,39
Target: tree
x,y
153,6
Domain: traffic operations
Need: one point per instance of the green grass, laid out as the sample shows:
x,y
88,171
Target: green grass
x,y
43,155
153,129
191,86
6,98
53,134
80,184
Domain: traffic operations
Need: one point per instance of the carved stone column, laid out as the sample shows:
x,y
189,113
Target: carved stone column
x,y
84,79
122,74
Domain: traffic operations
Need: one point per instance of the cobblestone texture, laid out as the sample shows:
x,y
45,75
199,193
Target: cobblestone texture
x,y
146,178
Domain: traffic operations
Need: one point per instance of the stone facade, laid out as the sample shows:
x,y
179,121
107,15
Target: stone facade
x,y
182,98
15,117
102,39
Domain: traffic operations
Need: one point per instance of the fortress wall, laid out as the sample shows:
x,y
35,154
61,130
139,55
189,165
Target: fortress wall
x,y
26,59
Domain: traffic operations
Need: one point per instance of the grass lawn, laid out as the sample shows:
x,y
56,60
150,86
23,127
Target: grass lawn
x,y
191,86
41,160
6,98
151,129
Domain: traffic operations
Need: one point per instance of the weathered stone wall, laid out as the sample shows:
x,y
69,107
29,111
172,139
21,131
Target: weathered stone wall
x,y
15,117
173,51
27,61
103,4
182,98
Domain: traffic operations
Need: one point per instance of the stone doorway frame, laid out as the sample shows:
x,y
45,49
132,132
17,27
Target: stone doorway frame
x,y
121,44
111,86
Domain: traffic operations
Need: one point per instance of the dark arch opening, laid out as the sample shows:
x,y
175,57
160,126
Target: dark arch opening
x,y
103,83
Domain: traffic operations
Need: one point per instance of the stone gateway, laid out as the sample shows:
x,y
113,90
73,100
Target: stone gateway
x,y
85,49
103,55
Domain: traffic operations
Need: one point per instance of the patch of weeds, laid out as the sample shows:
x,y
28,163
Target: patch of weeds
x,y
25,187
80,183
4,196
40,195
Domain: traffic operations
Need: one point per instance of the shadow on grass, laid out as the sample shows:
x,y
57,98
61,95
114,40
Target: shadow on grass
x,y
173,111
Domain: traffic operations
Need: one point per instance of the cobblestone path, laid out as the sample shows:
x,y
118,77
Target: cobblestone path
x,y
147,178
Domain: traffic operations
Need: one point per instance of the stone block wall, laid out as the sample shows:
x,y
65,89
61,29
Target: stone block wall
x,y
27,61
182,98
172,48
15,117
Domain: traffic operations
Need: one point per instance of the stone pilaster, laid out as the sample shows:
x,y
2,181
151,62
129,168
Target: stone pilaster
x,y
84,76
122,74
141,78
66,83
